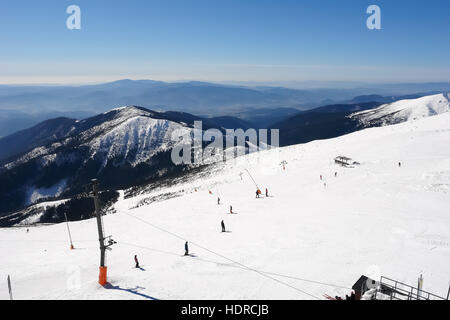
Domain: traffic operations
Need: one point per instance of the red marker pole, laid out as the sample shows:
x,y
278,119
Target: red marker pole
x,y
68,230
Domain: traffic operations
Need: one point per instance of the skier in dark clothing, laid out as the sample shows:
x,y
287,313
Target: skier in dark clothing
x,y
218,200
231,209
257,193
223,226
399,164
267,192
136,260
186,249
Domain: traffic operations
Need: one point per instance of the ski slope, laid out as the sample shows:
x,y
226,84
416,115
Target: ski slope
x,y
303,241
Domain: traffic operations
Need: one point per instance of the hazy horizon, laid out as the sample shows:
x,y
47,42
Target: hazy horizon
x,y
304,84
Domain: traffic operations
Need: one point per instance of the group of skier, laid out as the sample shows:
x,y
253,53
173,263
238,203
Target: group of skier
x,y
258,193
335,175
322,179
186,251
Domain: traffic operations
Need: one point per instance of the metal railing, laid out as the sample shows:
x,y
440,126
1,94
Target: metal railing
x,y
397,290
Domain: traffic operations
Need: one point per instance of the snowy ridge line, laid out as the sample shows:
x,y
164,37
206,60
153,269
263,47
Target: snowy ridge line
x,y
222,256
266,272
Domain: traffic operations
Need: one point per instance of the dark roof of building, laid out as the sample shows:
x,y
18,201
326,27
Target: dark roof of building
x,y
342,158
360,284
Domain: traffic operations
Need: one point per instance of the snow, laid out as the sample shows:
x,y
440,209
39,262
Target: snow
x,y
377,216
130,134
116,109
34,194
140,135
32,219
35,212
406,110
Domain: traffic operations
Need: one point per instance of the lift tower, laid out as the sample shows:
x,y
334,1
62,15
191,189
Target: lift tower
x,y
102,279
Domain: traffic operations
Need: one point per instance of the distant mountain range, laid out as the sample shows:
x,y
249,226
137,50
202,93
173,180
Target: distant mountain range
x,y
12,120
389,99
320,123
59,128
24,106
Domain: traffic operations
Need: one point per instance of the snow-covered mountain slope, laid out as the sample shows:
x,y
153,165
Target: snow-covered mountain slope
x,y
119,133
136,140
304,240
404,110
122,147
33,214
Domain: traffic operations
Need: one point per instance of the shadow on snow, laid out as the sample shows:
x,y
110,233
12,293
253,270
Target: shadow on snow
x,y
109,286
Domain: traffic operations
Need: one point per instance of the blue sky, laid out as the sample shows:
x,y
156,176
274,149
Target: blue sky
x,y
215,40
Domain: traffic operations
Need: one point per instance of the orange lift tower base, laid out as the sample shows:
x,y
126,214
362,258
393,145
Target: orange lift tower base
x,y
102,278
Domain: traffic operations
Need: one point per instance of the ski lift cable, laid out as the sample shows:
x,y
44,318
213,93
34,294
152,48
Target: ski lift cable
x,y
33,240
252,178
171,253
308,280
266,272
148,248
224,257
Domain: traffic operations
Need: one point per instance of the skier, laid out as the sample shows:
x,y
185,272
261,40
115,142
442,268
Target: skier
x,y
136,260
231,209
320,177
186,249
28,230
223,226
335,174
267,192
257,193
399,164
218,200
